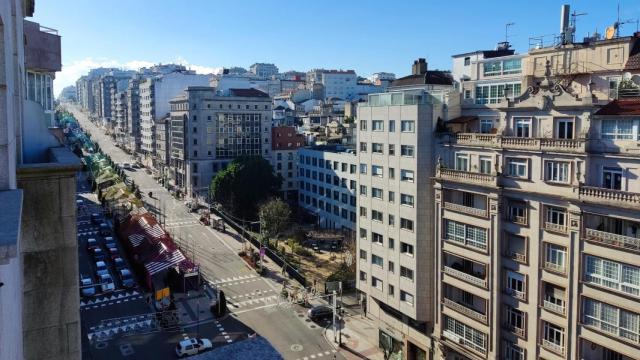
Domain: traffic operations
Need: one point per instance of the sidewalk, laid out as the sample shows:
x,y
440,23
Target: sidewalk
x,y
358,338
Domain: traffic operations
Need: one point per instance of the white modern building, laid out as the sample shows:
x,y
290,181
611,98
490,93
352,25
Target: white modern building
x,y
264,70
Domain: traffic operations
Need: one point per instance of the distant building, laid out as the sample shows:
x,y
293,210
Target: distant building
x,y
69,93
334,83
163,145
263,70
209,130
285,142
132,127
422,78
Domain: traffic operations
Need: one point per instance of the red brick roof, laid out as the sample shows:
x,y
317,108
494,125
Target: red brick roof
x,y
629,106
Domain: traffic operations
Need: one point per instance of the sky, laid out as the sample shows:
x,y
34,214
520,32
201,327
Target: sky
x,y
364,35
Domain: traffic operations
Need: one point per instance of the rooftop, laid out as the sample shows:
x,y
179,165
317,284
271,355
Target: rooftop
x,y
622,107
248,93
334,148
431,77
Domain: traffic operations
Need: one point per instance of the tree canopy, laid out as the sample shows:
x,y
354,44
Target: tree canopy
x,y
274,217
244,184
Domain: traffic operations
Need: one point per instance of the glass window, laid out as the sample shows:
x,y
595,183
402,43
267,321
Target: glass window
x,y
406,249
376,193
376,283
517,167
556,256
377,148
406,224
392,149
363,147
406,272
612,178
376,171
612,275
620,129
406,175
466,234
611,319
556,216
406,297
557,171
464,334
363,125
564,128
407,126
523,127
486,125
363,168
485,164
392,125
406,150
377,125
462,162
363,190
377,260
553,334
406,200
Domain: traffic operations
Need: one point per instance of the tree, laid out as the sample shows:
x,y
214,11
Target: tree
x,y
246,182
274,218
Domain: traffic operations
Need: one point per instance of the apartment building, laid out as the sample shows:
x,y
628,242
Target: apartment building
x,y
536,229
327,186
285,142
163,145
210,129
340,84
133,137
263,70
395,244
120,115
155,92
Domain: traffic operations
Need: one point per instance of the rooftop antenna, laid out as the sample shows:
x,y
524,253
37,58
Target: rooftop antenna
x,y
506,30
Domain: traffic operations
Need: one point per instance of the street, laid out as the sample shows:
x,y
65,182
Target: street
x,y
254,302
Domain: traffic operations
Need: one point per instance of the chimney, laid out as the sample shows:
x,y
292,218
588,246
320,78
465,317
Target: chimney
x,y
419,67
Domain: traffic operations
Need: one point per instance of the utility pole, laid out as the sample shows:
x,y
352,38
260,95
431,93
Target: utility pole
x,y
335,315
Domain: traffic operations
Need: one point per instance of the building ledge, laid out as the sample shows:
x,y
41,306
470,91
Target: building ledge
x,y
10,221
61,162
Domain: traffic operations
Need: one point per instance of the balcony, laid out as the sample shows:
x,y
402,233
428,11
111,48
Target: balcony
x,y
462,341
611,239
553,227
553,307
470,278
465,209
519,332
520,143
617,197
465,310
520,295
467,177
553,347
517,256
554,267
42,48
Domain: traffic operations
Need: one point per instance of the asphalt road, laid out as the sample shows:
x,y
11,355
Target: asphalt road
x,y
254,301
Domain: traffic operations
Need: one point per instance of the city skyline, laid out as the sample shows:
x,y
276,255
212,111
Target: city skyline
x,y
207,46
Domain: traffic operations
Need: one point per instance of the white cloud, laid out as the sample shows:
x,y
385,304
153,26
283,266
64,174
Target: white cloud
x,y
74,70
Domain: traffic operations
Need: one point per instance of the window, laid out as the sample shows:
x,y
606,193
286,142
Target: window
x,y
407,126
406,224
406,200
392,243
564,128
376,215
406,150
514,318
485,164
556,216
363,168
513,352
466,234
612,178
555,257
462,162
376,260
467,61
406,249
376,283
619,129
486,125
392,173
392,149
464,334
406,175
363,254
522,127
392,126
467,94
363,125
612,320
495,93
352,169
406,272
363,276
612,275
502,67
391,290
363,147
517,167
515,284
377,148
363,234
376,170
377,125
376,193
392,196
406,297
552,335
392,220
363,190
557,171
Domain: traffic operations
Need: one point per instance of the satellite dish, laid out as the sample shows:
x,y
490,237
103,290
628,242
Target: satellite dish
x,y
626,76
636,79
610,32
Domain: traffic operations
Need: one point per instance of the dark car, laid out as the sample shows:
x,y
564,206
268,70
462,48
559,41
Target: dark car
x,y
92,244
96,218
119,263
126,278
320,312
98,254
105,230
87,288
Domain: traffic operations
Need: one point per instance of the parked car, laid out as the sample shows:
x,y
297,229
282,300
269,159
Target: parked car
x,y
192,346
92,244
98,254
126,278
315,247
119,263
101,268
104,230
334,246
126,165
320,312
106,283
96,218
87,289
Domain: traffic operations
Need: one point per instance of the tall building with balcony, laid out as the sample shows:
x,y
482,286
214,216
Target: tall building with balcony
x,y
536,229
394,231
210,129
132,128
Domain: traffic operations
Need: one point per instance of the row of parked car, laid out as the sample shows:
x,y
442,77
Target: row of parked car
x,y
105,254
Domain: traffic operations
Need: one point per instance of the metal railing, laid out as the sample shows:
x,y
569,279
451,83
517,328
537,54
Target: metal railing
x,y
516,330
516,256
465,277
516,294
621,241
553,307
465,209
465,310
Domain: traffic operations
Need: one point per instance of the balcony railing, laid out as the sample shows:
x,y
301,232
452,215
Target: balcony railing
x,y
465,277
553,307
465,209
520,143
467,177
621,241
521,295
516,256
518,331
522,220
554,267
601,194
559,228
558,349
465,310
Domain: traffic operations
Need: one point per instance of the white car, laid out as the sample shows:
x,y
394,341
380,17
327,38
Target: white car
x,y
106,283
192,346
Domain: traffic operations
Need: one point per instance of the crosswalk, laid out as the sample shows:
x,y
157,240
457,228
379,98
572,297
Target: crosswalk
x,y
318,355
272,299
108,328
249,295
227,338
234,280
115,298
180,223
